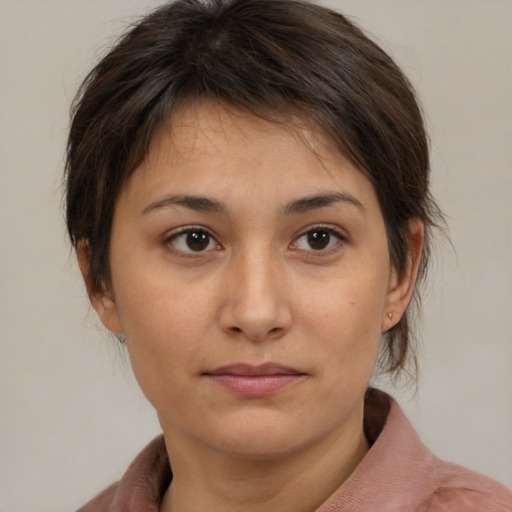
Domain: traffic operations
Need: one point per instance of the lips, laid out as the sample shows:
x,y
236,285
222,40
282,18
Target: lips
x,y
249,370
254,381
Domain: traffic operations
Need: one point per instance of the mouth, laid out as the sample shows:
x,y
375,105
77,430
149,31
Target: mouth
x,y
254,381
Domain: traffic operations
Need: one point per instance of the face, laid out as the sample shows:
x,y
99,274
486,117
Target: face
x,y
252,281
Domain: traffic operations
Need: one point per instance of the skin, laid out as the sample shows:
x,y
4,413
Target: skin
x,y
255,291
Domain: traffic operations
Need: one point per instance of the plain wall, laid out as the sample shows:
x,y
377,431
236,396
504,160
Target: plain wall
x,y
71,416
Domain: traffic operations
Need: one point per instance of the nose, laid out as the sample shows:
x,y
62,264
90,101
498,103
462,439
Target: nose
x,y
256,306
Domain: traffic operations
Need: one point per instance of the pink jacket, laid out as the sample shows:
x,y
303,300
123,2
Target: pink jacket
x,y
398,474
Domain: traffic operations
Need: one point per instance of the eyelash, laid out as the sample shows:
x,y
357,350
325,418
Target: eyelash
x,y
189,230
333,233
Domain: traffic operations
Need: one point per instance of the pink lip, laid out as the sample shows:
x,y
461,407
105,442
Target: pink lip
x,y
254,381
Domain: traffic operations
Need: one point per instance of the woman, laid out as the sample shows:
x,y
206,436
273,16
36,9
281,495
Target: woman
x,y
248,195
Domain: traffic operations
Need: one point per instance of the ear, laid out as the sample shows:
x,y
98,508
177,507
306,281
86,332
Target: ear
x,y
401,288
101,299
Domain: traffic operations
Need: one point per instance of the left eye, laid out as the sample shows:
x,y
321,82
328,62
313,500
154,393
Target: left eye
x,y
193,241
318,239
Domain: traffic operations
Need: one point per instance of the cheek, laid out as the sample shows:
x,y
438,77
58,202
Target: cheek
x,y
349,308
166,330
347,317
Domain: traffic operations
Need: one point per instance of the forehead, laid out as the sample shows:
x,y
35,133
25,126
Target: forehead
x,y
213,129
225,151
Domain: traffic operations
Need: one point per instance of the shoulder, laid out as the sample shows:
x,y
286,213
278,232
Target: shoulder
x,y
142,485
102,502
400,473
460,489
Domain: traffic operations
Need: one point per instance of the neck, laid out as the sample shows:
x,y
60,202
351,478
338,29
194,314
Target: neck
x,y
207,480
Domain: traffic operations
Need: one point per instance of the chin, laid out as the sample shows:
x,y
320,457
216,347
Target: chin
x,y
262,436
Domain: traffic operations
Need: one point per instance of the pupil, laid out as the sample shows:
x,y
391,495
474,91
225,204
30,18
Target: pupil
x,y
198,240
318,239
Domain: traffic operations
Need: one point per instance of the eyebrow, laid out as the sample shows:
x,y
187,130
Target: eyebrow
x,y
197,203
316,201
296,206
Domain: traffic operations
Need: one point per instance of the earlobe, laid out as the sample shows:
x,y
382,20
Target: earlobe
x,y
402,286
101,299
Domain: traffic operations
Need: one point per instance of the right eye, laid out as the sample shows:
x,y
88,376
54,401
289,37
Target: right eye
x,y
193,240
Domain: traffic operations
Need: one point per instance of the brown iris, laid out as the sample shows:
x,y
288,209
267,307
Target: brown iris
x,y
197,240
319,239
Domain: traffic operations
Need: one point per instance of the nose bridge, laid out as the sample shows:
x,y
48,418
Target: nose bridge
x,y
256,305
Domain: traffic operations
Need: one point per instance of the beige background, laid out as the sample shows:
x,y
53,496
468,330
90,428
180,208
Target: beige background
x,y
71,417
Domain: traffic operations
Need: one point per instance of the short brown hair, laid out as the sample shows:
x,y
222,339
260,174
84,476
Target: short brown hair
x,y
275,59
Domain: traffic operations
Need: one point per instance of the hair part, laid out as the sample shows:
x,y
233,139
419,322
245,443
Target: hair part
x,y
279,60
